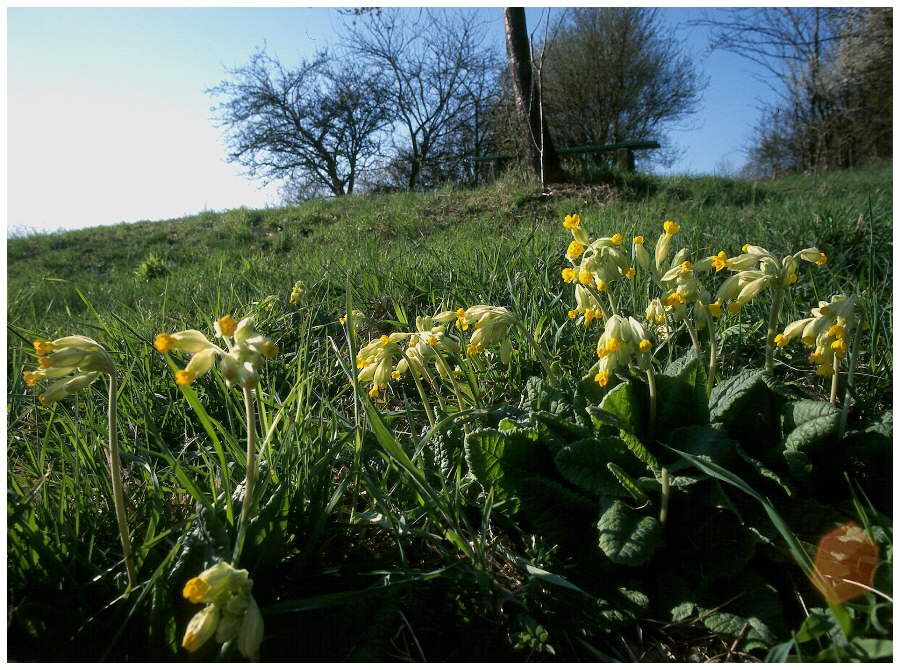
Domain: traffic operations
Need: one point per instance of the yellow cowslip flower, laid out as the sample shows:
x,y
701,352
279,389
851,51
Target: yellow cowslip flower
x,y
473,349
569,275
629,273
671,227
373,392
638,239
673,299
780,340
686,266
395,375
745,247
575,249
573,314
734,307
201,628
230,612
616,239
461,322
298,292
237,364
590,315
839,347
623,342
572,222
715,309
822,259
837,331
585,277
601,285
225,326
494,326
74,361
792,278
656,311
719,261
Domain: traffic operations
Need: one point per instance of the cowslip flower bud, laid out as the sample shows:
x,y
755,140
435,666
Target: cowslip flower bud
x,y
201,628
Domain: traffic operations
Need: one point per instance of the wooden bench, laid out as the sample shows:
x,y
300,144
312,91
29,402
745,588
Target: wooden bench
x,y
624,154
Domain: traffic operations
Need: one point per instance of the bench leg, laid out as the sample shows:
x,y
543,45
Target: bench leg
x,y
625,159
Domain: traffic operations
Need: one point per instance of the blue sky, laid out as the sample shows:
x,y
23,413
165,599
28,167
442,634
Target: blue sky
x,y
108,121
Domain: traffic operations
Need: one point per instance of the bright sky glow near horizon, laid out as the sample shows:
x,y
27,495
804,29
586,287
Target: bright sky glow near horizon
x,y
108,119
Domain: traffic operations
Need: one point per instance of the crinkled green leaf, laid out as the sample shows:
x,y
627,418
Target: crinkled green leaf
x,y
808,421
583,463
626,402
499,460
681,397
626,536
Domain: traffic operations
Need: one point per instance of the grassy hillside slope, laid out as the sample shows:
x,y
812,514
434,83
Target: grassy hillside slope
x,y
498,244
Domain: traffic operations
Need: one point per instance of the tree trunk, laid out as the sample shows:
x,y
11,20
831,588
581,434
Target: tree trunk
x,y
542,158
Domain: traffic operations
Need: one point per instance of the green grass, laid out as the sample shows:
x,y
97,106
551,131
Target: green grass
x,y
367,556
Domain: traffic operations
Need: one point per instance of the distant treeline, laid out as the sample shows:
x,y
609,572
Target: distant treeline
x,y
405,99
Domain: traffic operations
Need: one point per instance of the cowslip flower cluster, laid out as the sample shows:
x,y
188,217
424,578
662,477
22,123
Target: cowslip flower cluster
x,y
230,612
425,346
246,348
298,293
74,361
492,326
826,332
624,342
756,268
376,361
661,252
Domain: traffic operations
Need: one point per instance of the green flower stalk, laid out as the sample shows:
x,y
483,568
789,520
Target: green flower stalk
x,y
76,362
238,362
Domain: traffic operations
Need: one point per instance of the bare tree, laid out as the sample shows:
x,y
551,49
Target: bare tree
x,y
317,126
615,74
439,67
831,68
543,161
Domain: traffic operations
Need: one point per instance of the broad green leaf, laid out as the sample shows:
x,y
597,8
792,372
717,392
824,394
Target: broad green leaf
x,y
499,460
681,397
626,536
808,421
583,463
627,403
760,468
873,649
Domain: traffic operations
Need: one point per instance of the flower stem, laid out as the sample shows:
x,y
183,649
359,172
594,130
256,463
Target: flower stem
x,y
695,339
651,423
713,357
115,474
835,362
664,501
612,300
251,475
427,405
851,370
774,313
